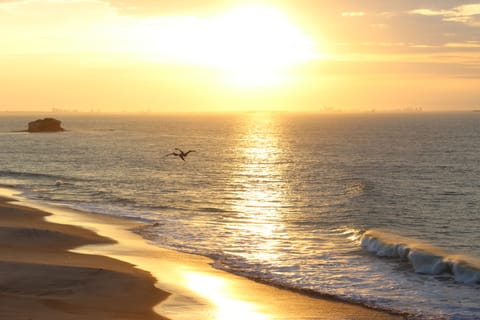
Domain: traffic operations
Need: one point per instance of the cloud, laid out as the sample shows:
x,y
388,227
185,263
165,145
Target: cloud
x,y
469,44
156,7
379,26
353,14
468,14
429,12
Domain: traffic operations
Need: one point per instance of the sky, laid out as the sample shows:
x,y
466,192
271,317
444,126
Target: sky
x,y
233,55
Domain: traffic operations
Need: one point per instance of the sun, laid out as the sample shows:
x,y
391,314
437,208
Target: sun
x,y
257,35
252,45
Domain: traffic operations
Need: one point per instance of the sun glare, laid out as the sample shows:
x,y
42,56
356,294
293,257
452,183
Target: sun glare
x,y
256,36
216,289
252,45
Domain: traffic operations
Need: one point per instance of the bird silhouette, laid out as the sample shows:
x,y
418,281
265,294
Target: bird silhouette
x,y
182,155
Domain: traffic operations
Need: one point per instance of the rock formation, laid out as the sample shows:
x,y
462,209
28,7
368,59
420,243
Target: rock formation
x,y
45,125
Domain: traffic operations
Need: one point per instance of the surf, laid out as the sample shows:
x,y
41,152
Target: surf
x,y
423,257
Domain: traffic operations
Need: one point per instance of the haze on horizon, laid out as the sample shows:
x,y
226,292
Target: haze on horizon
x,y
197,56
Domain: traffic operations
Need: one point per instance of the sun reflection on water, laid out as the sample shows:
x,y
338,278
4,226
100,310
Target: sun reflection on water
x,y
261,187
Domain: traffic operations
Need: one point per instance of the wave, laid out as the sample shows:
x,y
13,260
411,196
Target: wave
x,y
26,174
36,175
424,258
213,210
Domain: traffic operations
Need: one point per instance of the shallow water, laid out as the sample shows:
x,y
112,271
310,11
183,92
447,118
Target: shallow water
x,y
287,199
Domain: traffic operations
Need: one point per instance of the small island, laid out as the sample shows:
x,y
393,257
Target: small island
x,y
45,125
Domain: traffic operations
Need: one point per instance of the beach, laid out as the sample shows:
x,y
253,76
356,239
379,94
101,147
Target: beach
x,y
41,279
115,274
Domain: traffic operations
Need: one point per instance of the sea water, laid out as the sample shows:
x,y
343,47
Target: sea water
x,y
378,209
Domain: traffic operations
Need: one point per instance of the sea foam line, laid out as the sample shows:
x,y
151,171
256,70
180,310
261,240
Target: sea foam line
x,y
424,258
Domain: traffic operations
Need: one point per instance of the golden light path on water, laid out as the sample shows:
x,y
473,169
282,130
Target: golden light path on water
x,y
258,197
257,203
262,189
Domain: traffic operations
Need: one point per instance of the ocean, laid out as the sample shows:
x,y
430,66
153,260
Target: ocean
x,y
379,209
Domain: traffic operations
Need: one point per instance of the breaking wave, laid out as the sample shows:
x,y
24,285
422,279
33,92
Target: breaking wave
x,y
423,257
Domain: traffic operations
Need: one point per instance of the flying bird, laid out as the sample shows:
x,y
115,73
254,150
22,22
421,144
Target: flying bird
x,y
182,155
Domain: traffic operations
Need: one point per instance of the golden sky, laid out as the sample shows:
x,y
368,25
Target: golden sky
x,y
196,55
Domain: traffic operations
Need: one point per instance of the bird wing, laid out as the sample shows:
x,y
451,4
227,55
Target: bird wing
x,y
189,152
170,154
179,150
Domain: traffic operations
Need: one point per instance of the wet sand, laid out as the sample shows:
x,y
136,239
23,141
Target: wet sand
x,y
113,273
41,279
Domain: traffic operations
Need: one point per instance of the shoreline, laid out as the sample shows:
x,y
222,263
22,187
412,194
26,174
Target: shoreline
x,y
187,286
40,278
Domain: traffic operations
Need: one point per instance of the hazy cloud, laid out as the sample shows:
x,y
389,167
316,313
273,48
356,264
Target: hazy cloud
x,y
156,7
468,14
353,14
469,44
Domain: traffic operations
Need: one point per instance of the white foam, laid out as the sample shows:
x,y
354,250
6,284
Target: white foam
x,y
465,273
423,257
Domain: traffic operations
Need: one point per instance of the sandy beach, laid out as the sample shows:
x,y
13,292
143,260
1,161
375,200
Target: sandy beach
x,y
41,279
51,268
